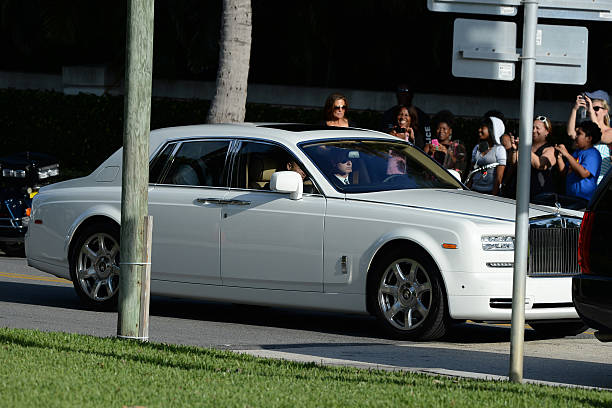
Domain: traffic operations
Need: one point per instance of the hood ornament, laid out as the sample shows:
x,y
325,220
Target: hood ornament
x,y
557,208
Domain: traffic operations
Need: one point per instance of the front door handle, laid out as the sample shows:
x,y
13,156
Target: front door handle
x,y
238,202
221,202
210,201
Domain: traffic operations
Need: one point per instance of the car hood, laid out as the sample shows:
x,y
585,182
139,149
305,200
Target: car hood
x,y
463,202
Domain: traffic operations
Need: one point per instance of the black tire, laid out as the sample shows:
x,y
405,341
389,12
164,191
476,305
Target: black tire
x,y
560,329
405,293
95,253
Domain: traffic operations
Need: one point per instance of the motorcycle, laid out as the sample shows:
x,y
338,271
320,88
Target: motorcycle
x,y
21,176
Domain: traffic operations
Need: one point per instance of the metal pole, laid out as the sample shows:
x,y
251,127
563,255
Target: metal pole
x,y
517,334
134,197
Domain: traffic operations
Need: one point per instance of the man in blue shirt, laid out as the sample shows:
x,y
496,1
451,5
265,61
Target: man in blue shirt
x,y
584,164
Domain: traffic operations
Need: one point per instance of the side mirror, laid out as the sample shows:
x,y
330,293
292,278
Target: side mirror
x,y
455,173
287,182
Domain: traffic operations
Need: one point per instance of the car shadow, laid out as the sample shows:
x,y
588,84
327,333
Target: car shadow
x,y
352,325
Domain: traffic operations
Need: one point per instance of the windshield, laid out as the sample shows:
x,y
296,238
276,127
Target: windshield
x,y
361,166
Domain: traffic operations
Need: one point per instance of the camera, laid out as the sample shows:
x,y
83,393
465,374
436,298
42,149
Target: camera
x,y
399,129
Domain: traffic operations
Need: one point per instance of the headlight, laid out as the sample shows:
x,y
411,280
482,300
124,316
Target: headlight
x,y
497,242
48,171
13,173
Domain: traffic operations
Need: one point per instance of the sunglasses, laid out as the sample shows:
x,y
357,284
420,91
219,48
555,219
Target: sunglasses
x,y
597,108
544,120
341,107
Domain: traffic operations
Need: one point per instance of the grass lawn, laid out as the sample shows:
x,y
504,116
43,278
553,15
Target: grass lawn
x,y
63,370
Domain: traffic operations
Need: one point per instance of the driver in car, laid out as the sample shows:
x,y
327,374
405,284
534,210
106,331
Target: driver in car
x,y
342,166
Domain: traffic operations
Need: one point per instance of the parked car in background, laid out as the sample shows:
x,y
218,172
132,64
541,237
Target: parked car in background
x,y
311,217
592,289
21,176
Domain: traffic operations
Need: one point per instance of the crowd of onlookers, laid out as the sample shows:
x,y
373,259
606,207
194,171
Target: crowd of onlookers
x,y
567,173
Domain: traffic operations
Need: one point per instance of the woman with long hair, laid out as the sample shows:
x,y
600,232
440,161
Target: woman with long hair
x,y
336,107
543,158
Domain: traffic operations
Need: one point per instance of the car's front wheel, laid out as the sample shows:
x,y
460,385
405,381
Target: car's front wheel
x,y
406,295
94,265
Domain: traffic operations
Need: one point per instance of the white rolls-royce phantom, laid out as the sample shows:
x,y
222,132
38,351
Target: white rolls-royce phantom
x,y
311,217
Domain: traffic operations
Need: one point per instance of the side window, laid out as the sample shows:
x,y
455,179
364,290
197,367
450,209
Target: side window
x,y
199,163
256,162
159,162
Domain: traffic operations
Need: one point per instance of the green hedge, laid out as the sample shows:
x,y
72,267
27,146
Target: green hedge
x,y
82,130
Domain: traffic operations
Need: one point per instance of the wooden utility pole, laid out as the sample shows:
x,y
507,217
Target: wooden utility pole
x,y
135,177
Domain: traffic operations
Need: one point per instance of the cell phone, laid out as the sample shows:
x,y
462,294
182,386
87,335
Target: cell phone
x,y
435,142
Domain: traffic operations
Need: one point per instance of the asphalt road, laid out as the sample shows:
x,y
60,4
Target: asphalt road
x,y
35,300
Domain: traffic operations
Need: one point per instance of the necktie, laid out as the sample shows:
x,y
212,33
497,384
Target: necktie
x,y
346,181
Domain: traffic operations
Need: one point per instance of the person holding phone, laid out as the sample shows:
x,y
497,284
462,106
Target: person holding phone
x,y
583,166
406,123
596,106
448,152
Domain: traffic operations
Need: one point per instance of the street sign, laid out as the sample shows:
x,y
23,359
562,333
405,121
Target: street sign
x,y
597,10
484,49
561,54
494,7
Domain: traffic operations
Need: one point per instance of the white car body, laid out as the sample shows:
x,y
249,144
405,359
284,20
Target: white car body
x,y
312,252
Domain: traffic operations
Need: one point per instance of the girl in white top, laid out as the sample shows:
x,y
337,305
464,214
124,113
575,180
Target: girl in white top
x,y
489,151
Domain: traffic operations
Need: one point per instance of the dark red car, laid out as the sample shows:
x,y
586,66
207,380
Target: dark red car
x,y
592,289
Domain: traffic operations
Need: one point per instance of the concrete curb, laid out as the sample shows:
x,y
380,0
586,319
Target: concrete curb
x,y
324,361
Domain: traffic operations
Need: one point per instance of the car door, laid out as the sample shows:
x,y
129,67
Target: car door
x,y
186,208
267,239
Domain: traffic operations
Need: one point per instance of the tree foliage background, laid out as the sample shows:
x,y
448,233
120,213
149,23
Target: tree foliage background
x,y
357,44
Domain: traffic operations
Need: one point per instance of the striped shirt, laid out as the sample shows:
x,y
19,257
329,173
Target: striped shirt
x,y
606,163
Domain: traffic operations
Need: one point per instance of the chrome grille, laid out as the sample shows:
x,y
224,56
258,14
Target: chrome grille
x,y
553,252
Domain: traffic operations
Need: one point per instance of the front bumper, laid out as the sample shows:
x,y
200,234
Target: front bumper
x,y
487,296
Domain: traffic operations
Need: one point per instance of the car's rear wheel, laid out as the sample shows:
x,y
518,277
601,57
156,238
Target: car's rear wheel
x,y
94,265
558,329
407,296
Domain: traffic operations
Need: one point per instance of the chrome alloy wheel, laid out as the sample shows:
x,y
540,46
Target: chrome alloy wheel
x,y
97,267
405,294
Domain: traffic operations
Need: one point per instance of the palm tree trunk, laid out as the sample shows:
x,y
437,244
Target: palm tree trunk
x,y
229,102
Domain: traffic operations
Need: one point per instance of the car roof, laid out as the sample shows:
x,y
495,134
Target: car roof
x,y
287,133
